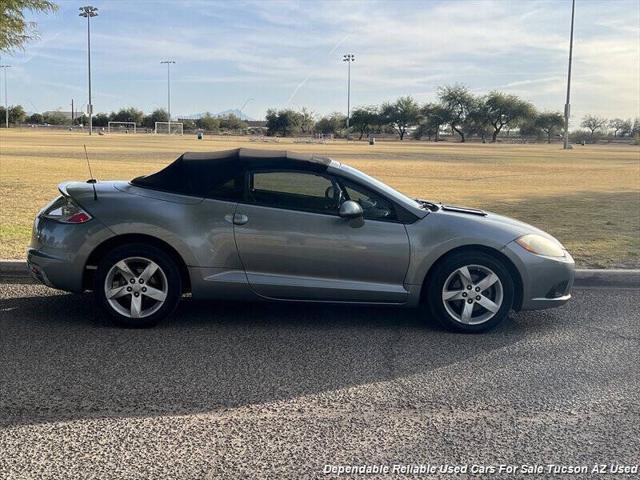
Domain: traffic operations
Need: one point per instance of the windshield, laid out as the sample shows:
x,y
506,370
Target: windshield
x,y
396,195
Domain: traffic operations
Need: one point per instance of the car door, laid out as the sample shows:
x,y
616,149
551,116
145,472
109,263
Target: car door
x,y
294,245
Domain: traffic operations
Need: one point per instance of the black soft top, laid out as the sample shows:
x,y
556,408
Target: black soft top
x,y
195,173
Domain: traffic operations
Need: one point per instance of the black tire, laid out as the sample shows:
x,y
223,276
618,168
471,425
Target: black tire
x,y
446,267
168,268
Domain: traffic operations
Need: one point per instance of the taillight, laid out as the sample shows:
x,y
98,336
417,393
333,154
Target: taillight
x,y
65,211
79,217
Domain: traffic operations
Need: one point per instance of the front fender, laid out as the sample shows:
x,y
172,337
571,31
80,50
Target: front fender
x,y
440,233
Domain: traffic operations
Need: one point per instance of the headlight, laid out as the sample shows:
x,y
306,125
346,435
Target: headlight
x,y
541,245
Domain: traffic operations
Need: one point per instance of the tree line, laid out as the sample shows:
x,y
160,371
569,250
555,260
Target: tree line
x,y
207,122
457,111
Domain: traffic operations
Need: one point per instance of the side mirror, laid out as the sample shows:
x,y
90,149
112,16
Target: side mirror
x,y
350,210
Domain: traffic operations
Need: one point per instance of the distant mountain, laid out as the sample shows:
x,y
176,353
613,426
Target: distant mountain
x,y
234,111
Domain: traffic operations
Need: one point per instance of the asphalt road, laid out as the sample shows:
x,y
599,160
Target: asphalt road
x,y
278,391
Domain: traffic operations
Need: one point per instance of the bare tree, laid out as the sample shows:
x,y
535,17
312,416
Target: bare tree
x,y
617,125
627,127
635,128
593,123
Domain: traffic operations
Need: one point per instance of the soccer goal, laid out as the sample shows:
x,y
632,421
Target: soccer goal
x,y
171,128
121,127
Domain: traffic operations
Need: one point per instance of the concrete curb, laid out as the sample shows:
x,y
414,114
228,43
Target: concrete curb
x,y
607,278
584,277
13,268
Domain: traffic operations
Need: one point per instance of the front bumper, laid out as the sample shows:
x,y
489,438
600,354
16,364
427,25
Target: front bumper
x,y
546,281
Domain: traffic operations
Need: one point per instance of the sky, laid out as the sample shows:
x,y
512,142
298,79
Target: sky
x,y
257,55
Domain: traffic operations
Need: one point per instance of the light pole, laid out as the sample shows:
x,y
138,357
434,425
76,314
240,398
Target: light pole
x,y
6,102
88,12
349,58
168,62
567,104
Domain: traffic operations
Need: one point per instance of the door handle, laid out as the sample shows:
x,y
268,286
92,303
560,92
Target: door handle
x,y
240,219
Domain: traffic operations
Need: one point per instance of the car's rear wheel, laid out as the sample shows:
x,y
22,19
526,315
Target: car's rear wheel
x,y
470,291
139,285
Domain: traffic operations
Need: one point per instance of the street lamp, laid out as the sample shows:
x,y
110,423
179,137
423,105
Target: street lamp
x,y
349,57
567,104
168,62
6,102
88,12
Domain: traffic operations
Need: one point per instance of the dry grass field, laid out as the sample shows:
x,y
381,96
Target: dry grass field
x,y
588,197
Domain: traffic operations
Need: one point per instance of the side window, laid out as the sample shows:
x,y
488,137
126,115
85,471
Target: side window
x,y
226,188
374,206
293,190
224,182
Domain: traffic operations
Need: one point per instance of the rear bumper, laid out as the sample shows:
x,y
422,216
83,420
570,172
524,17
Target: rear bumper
x,y
58,252
53,272
546,281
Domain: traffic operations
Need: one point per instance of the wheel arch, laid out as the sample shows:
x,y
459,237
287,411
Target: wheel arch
x,y
513,271
128,238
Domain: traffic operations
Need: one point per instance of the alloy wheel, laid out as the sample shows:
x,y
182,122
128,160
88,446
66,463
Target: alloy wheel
x,y
136,287
472,294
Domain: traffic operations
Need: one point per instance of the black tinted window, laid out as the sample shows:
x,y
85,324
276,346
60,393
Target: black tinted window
x,y
224,182
293,190
231,189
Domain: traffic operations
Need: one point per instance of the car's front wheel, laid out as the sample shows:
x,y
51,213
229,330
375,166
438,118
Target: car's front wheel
x,y
470,291
138,285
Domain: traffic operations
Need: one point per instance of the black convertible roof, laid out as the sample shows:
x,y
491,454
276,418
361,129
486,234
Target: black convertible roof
x,y
251,155
194,173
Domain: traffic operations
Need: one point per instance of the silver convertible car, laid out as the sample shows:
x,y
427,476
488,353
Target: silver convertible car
x,y
252,224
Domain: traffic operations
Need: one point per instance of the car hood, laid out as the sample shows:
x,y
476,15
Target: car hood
x,y
473,222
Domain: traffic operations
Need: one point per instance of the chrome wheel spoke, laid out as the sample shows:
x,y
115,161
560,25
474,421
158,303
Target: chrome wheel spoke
x,y
487,281
154,293
450,295
148,272
467,311
125,271
118,292
465,276
136,306
488,304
